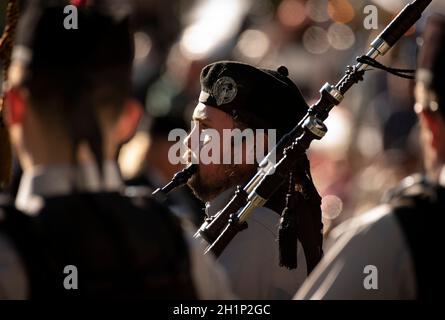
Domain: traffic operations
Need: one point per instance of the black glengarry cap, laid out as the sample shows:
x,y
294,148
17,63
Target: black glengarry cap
x,y
261,98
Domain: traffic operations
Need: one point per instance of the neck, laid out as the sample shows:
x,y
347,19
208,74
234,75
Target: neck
x,y
59,154
441,179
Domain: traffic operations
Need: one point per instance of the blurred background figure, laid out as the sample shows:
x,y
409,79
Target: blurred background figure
x,y
73,223
154,169
386,253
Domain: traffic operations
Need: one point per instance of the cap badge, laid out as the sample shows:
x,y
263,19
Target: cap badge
x,y
224,90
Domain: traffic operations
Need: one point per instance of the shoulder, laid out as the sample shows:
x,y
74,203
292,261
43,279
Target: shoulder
x,y
414,203
412,191
373,239
364,222
257,243
264,219
141,196
376,232
13,279
130,200
208,276
258,239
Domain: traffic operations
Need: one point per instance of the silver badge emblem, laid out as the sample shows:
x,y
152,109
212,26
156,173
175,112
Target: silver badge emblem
x,y
224,90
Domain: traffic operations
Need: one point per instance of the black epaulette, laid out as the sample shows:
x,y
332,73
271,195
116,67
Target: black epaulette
x,y
411,188
6,206
418,205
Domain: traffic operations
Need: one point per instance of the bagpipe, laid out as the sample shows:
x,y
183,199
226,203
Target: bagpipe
x,y
220,229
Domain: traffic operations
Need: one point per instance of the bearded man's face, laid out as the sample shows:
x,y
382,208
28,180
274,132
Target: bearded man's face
x,y
214,178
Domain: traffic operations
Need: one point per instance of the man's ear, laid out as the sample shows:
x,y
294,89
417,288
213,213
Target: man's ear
x,y
128,120
435,125
15,106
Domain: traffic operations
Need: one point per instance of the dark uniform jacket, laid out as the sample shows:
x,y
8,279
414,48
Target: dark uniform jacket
x,y
121,246
390,252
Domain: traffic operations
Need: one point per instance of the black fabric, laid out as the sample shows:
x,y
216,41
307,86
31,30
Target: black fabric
x,y
102,38
73,73
419,207
184,196
122,247
263,99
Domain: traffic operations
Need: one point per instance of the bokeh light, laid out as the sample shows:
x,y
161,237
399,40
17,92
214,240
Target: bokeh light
x,y
291,13
369,141
340,36
317,10
215,23
142,45
341,11
315,40
331,206
253,44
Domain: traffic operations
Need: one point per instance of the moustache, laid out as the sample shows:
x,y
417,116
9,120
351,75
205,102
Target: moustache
x,y
189,156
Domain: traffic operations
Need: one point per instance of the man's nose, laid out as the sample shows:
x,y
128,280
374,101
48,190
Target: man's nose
x,y
192,140
188,140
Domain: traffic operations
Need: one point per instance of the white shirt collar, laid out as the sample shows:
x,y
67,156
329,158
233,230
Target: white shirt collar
x,y
442,177
59,180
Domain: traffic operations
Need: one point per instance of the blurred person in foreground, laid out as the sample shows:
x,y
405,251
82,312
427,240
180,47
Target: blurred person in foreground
x,y
68,111
386,253
155,170
262,261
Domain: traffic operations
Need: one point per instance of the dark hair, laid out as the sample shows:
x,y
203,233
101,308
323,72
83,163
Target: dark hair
x,y
57,95
77,103
75,77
